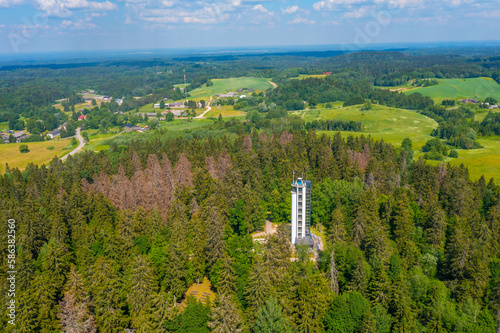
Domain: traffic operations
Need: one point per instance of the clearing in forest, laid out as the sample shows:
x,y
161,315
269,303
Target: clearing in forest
x,y
382,122
479,88
224,85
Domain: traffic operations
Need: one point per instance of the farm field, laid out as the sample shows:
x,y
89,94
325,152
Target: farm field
x,y
233,84
478,88
225,110
390,124
38,154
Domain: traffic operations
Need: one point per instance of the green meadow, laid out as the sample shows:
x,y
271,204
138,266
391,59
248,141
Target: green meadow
x,y
224,85
478,88
484,161
390,124
39,153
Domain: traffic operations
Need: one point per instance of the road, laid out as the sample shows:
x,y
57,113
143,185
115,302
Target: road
x,y
77,149
207,110
274,84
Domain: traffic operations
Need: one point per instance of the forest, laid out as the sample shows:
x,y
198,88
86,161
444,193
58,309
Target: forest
x,y
111,241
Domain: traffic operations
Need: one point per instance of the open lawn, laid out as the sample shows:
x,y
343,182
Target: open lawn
x,y
390,124
225,110
478,88
197,290
224,85
38,154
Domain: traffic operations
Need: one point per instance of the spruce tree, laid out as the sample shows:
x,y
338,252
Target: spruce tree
x,y
270,318
225,316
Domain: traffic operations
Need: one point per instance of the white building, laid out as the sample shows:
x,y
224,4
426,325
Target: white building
x,y
301,212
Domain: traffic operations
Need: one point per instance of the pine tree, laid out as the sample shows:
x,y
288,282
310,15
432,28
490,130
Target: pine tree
x,y
215,236
378,286
402,224
141,284
225,316
76,315
270,319
162,309
226,283
177,251
259,286
401,308
197,264
334,274
337,231
107,297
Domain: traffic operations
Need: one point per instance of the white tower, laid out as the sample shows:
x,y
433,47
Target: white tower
x,y
301,211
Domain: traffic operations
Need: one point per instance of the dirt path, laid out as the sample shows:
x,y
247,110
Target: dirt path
x,y
77,149
207,110
270,229
274,84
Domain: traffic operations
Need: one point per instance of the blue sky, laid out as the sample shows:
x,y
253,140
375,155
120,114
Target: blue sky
x,y
61,25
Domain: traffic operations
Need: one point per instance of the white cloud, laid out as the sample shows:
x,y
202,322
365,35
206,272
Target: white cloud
x,y
260,8
334,4
329,5
301,20
358,13
290,10
62,8
10,3
82,24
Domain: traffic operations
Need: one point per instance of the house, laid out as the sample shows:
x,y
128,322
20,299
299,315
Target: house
x,y
239,90
327,73
470,100
175,105
156,106
119,101
151,114
493,106
5,139
228,94
176,113
243,96
82,117
21,138
19,134
54,133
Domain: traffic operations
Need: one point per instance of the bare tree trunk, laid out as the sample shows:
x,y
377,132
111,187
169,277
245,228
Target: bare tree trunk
x,y
334,274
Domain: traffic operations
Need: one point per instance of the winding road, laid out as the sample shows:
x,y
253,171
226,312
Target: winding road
x,y
207,110
77,149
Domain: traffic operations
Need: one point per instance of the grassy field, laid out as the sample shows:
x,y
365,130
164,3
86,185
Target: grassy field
x,y
197,290
485,161
184,124
233,84
390,124
38,154
225,110
478,88
306,76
